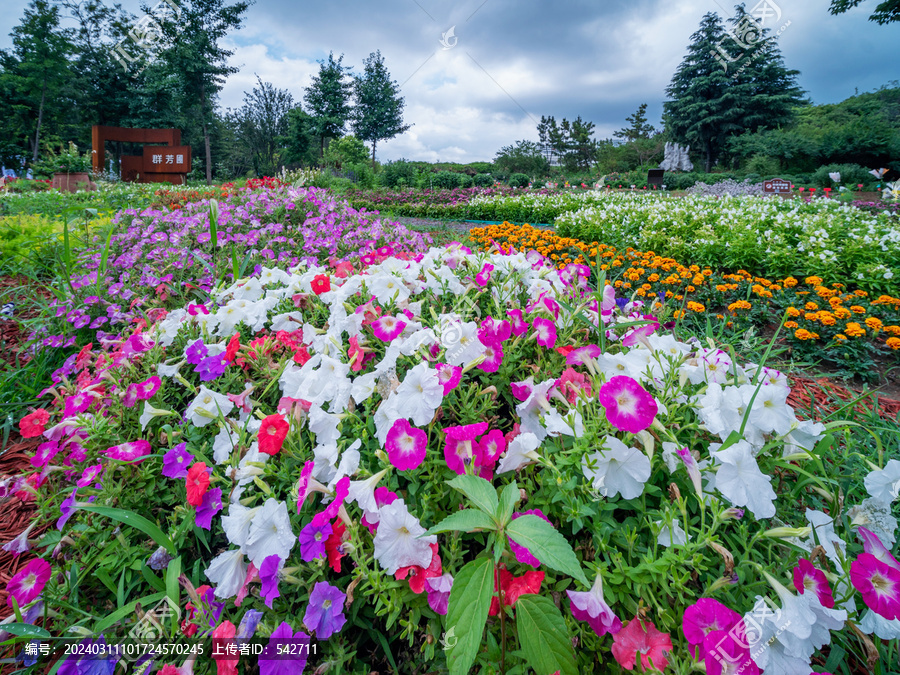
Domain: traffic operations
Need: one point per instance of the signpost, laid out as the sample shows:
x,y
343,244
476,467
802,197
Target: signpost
x,y
158,164
655,176
167,159
777,186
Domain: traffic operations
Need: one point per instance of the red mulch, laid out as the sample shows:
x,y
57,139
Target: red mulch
x,y
830,397
15,515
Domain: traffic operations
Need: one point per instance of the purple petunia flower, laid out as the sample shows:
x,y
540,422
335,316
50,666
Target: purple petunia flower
x,y
67,508
196,352
439,592
268,575
247,627
286,652
176,462
211,368
312,540
325,611
210,506
89,475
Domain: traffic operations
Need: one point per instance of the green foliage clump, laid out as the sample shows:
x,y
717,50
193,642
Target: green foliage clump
x,y
851,175
519,180
399,173
483,180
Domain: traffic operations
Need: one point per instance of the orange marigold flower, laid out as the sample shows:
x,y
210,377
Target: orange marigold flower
x,y
842,313
790,282
811,306
803,334
696,307
893,343
827,318
840,337
874,324
856,309
813,281
690,289
835,300
892,330
861,294
811,316
793,312
739,304
853,329
791,324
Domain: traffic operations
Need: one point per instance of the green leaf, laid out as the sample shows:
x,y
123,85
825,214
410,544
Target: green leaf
x,y
25,630
122,612
133,519
509,497
466,520
173,588
478,490
543,636
470,600
546,544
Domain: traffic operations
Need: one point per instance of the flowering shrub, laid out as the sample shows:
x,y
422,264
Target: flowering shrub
x,y
832,322
156,260
728,187
419,456
768,237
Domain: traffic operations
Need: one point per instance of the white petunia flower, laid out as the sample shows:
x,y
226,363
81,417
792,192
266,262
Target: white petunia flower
x,y
519,452
740,481
823,534
237,523
617,469
228,572
671,536
420,394
875,515
150,412
270,533
398,542
207,406
363,491
886,629
884,484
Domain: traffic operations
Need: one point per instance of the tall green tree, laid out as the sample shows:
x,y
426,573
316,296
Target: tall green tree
x,y
195,61
262,123
580,146
522,157
34,76
729,83
551,139
327,99
638,126
885,12
300,142
378,112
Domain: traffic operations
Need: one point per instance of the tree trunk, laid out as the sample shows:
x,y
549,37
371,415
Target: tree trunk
x,y
206,133
709,156
40,119
374,143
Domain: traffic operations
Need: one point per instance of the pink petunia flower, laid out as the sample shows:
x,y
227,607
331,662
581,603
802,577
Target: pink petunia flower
x,y
34,424
26,585
629,407
439,592
129,452
494,331
642,640
635,335
406,445
728,653
591,608
545,332
89,475
388,328
518,324
458,445
44,454
808,578
449,376
580,355
493,357
704,617
878,583
872,544
484,276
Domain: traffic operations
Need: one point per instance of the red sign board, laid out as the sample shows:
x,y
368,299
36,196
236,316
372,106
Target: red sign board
x,y
167,159
778,186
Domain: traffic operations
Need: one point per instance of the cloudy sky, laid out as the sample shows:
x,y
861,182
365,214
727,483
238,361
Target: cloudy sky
x,y
507,62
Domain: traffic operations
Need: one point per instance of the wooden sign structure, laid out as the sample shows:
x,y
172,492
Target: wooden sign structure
x,y
778,186
655,176
135,168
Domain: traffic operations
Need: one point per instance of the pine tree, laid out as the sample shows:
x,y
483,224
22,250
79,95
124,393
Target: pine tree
x,y
378,113
262,123
728,84
885,12
328,99
639,128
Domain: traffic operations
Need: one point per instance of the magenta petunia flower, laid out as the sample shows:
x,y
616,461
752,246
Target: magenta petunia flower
x,y
489,448
808,578
458,445
484,276
44,454
66,508
268,575
439,592
493,357
879,585
27,584
629,407
341,490
325,611
449,376
703,617
872,544
591,608
129,452
210,505
286,653
89,475
388,328
494,331
196,352
728,652
579,355
635,335
77,404
523,555
518,324
406,445
176,462
307,484
545,332
312,540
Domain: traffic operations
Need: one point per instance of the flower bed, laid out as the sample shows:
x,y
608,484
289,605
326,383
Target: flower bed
x,y
769,237
158,259
448,460
832,322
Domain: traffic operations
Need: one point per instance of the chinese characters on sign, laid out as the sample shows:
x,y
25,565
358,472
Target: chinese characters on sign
x,y
777,186
748,33
147,35
168,159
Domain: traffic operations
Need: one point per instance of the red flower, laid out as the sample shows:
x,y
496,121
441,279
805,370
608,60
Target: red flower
x,y
223,635
343,270
420,574
33,425
272,433
333,544
233,345
321,284
636,638
512,587
197,483
84,356
301,356
565,350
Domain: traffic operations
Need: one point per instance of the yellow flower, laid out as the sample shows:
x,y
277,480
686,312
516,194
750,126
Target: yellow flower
x,y
813,281
853,329
842,313
840,337
811,306
803,334
790,282
874,323
893,343
856,309
826,318
740,304
892,330
793,312
696,307
791,324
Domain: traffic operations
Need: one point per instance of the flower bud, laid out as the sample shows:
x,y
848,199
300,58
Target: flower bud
x,y
788,532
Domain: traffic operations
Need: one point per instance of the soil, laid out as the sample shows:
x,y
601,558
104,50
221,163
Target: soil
x,y
22,292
